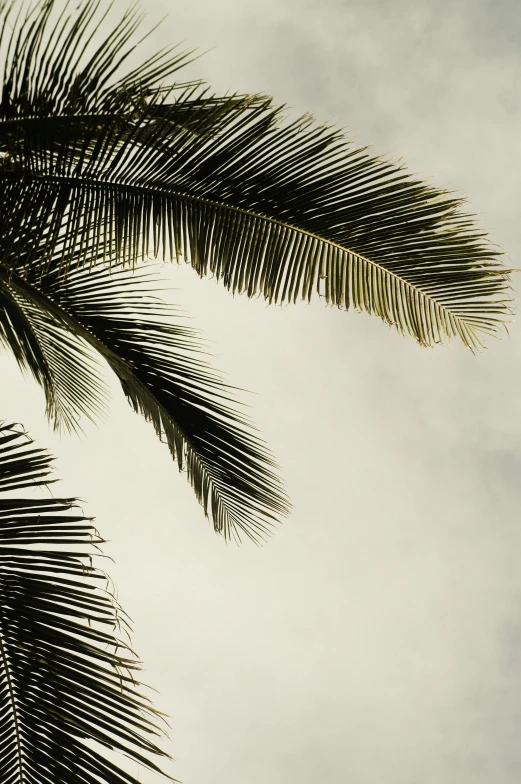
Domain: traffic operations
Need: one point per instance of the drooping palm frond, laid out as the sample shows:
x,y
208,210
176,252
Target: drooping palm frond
x,y
67,684
114,314
277,209
157,363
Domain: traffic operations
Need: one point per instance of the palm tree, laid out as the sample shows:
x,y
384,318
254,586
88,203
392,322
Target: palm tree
x,y
101,171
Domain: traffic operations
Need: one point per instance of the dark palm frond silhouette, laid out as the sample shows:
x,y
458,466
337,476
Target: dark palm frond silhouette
x,y
159,366
103,169
269,207
68,688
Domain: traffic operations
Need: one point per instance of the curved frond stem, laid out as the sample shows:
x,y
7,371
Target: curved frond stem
x,y
14,708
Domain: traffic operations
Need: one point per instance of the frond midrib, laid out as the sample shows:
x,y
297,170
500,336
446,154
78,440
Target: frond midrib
x,y
109,117
12,696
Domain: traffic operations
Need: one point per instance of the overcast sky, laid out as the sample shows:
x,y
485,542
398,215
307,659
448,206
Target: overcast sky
x,y
376,638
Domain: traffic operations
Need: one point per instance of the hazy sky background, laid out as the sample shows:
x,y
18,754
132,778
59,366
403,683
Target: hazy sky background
x,y
376,638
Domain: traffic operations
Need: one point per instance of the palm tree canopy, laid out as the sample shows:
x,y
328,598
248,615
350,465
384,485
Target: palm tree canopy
x,y
68,689
101,170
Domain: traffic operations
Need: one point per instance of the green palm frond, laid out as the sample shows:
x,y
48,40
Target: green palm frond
x,y
279,209
191,408
67,684
114,313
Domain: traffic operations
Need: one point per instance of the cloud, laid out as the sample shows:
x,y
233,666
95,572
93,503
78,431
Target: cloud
x,y
374,638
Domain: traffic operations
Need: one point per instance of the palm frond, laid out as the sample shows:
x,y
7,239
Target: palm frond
x,y
67,684
165,377
279,209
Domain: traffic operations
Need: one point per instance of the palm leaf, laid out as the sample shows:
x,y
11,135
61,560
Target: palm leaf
x,y
164,376
67,688
272,208
159,366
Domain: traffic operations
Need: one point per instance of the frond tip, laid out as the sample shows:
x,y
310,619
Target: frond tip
x,y
67,685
